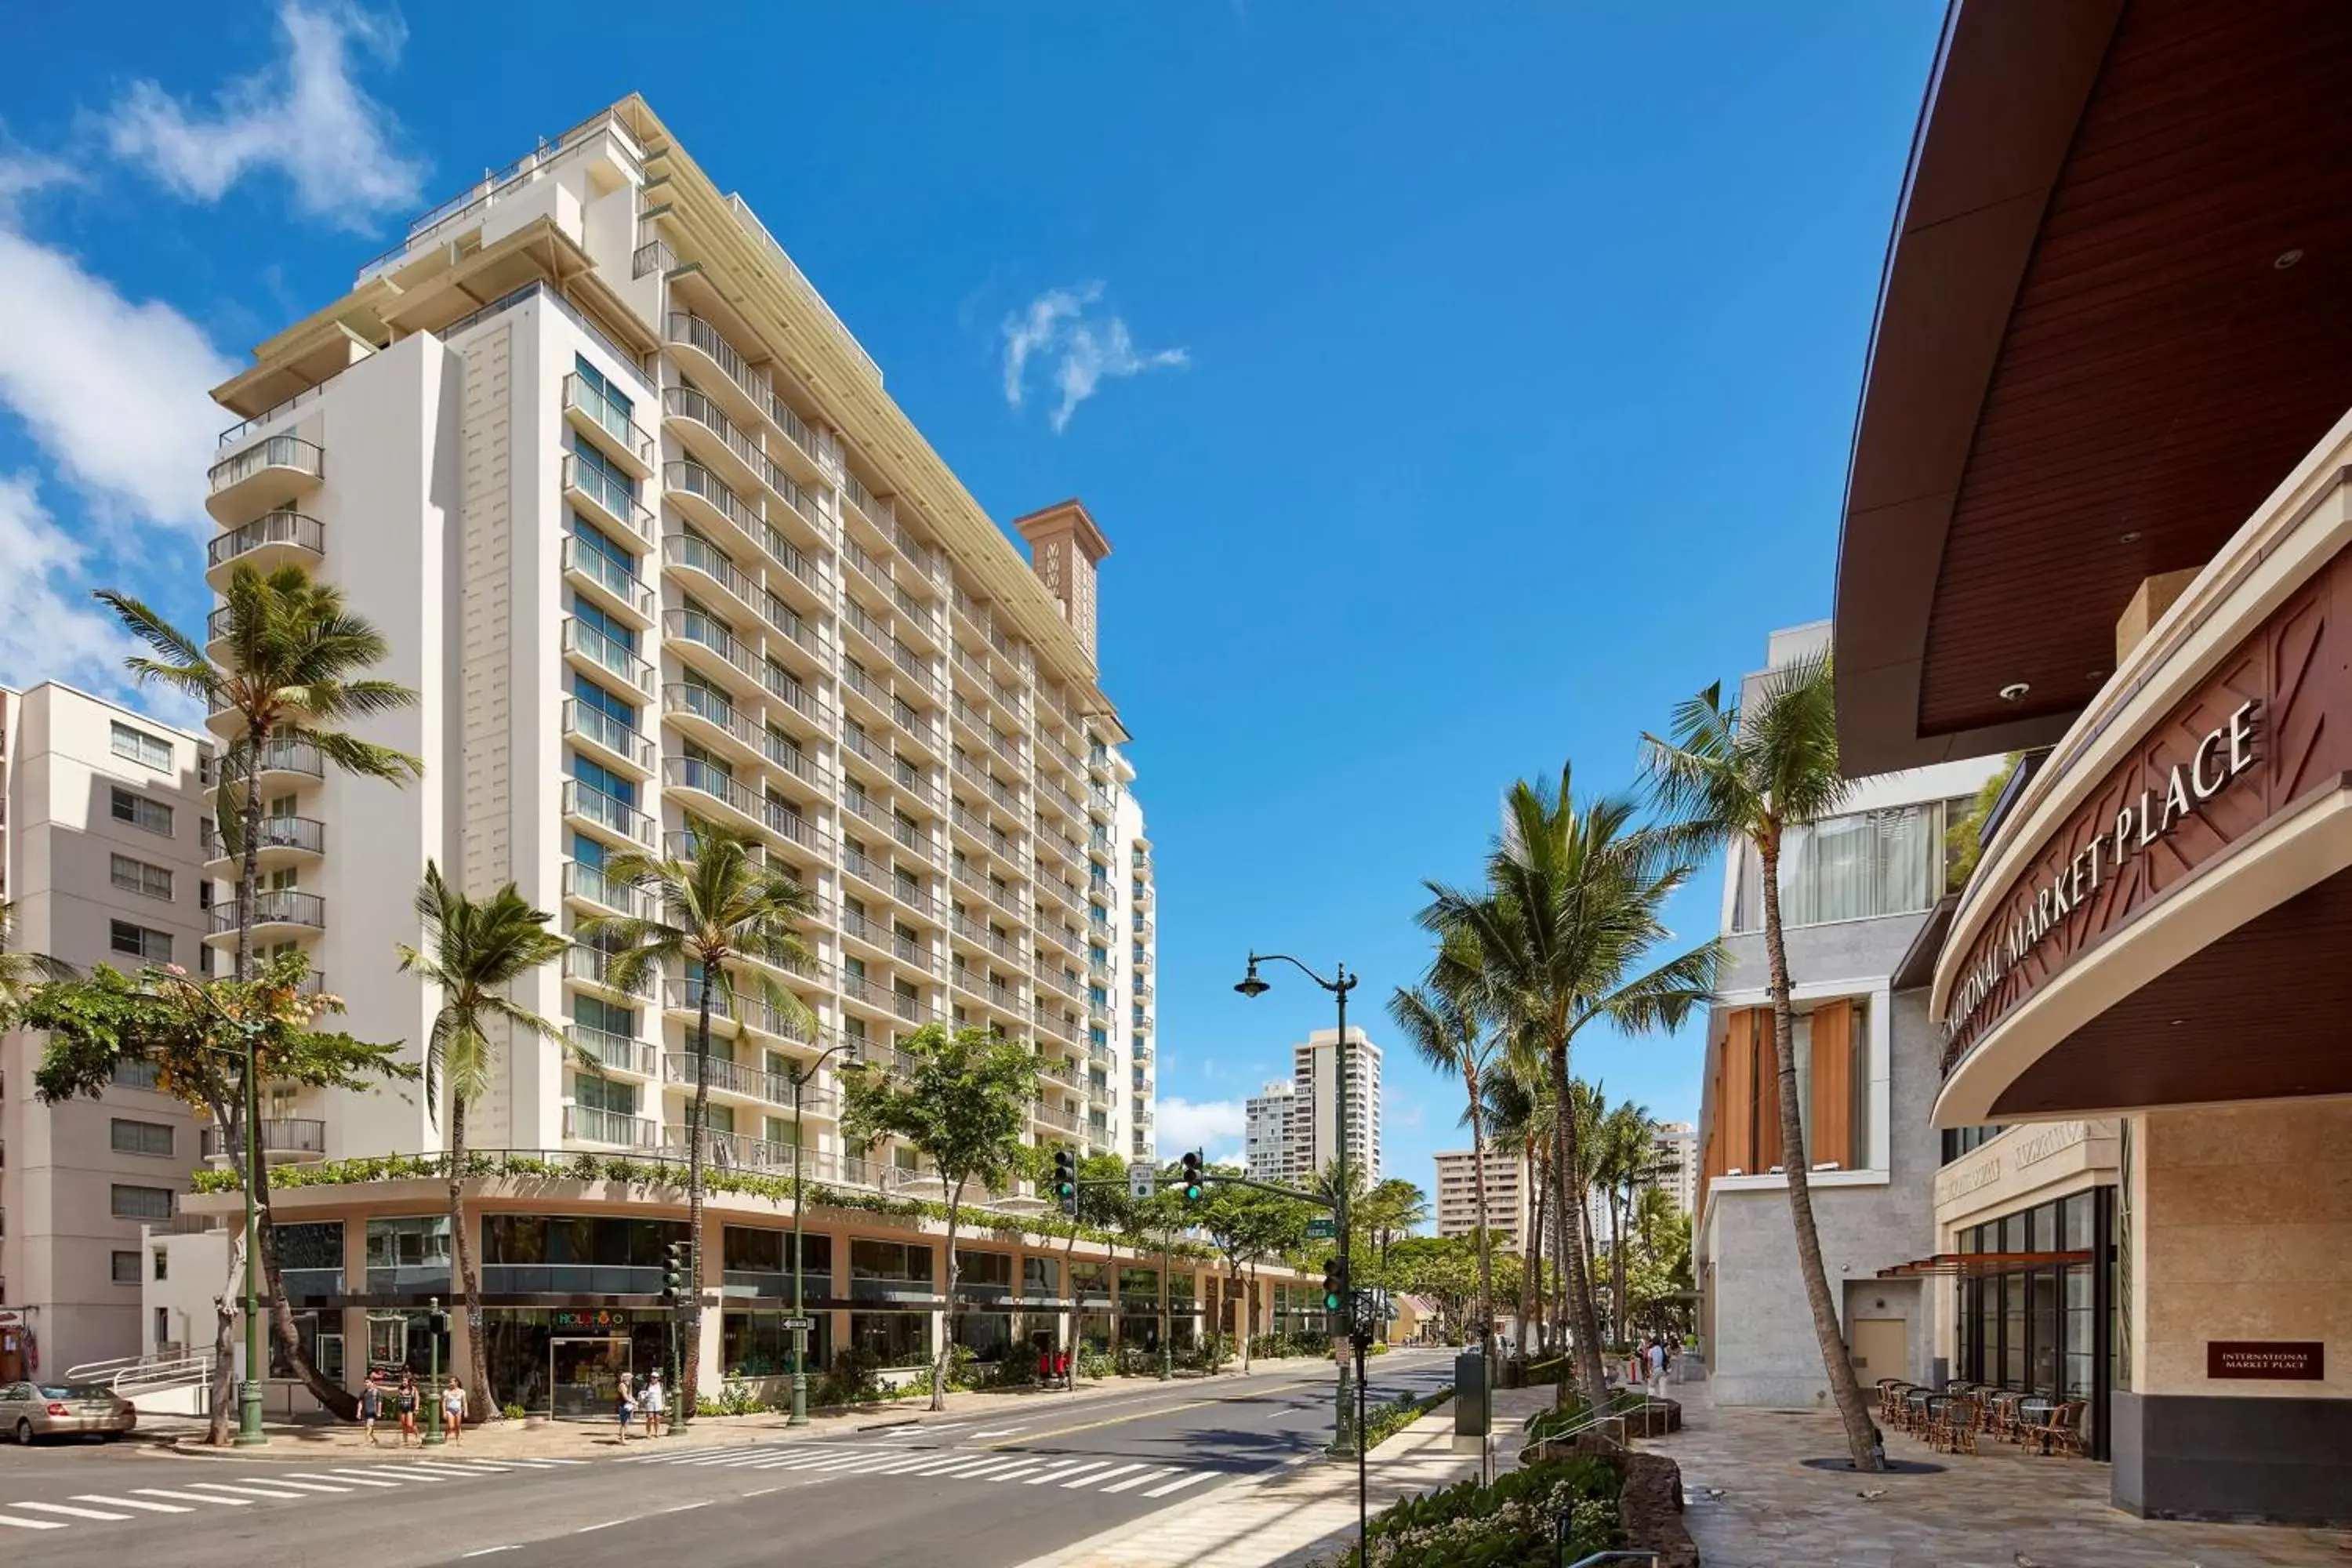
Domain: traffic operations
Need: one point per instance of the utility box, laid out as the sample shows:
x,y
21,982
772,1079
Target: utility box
x,y
1474,1400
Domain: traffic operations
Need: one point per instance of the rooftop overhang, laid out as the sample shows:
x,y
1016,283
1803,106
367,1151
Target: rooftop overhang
x,y
2117,309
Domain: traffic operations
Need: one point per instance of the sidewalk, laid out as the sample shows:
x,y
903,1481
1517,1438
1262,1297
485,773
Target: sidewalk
x,y
308,1440
1306,1512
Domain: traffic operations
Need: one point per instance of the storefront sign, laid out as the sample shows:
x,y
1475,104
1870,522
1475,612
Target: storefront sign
x,y
2218,757
2296,1361
603,1317
2054,1139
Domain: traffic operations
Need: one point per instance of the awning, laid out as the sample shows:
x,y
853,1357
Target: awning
x,y
1976,1265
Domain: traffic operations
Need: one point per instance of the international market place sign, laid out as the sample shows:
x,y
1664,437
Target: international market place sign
x,y
2218,757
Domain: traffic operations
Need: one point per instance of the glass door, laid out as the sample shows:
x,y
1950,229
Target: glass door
x,y
585,1373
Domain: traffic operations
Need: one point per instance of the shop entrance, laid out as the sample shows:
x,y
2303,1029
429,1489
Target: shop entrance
x,y
584,1374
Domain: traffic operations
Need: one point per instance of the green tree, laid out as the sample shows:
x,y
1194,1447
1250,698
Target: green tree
x,y
723,914
964,1106
1571,908
1626,1159
1394,1208
1519,1116
1247,1226
21,973
1963,840
474,952
1442,1022
1728,777
294,674
191,1033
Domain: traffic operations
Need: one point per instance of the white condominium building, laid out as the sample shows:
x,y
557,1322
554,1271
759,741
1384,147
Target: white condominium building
x,y
102,818
1315,1073
658,552
1507,1195
1271,1148
1677,1143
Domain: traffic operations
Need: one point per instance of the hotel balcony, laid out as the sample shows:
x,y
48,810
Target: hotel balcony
x,y
586,805
593,411
712,646
284,1141
701,565
608,585
728,1151
610,1129
597,653
589,886
614,1053
280,914
704,784
281,468
702,499
607,501
274,539
1059,1119
747,1081
584,965
281,841
599,735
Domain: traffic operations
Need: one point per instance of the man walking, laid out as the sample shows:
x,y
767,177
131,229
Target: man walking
x,y
1657,1354
372,1405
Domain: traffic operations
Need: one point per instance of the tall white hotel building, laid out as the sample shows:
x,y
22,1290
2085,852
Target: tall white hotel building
x,y
646,531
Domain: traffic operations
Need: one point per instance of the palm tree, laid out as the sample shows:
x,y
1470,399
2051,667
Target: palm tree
x,y
1391,1209
21,972
1565,925
475,951
716,910
294,673
1441,1021
1626,1160
1726,777
1517,1113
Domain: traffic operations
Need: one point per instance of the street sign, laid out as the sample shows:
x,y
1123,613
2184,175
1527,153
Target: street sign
x,y
1142,1180
799,1325
1322,1229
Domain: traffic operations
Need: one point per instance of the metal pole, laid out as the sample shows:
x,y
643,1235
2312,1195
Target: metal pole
x,y
799,1416
1363,1511
1339,1124
249,1433
434,1436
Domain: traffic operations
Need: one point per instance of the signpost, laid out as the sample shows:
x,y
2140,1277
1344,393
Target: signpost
x,y
799,1325
1322,1227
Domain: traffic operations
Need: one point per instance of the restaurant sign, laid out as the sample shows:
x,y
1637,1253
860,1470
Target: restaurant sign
x,y
600,1317
2292,1361
2221,754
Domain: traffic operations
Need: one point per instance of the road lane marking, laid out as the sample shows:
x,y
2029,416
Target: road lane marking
x,y
456,1467
936,1467
1069,1474
308,1486
975,1469
131,1503
487,1551
763,1491
1117,1420
687,1507
247,1489
412,1475
999,1432
70,1512
608,1524
1055,1467
903,1466
1020,1469
194,1497
1107,1475
32,1523
1151,1475
1178,1484
344,1478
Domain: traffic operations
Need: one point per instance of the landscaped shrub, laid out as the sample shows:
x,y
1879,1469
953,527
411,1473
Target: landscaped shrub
x,y
735,1398
1512,1524
854,1378
1094,1364
1382,1422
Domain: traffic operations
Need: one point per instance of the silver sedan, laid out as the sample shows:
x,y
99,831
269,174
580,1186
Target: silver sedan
x,y
30,1410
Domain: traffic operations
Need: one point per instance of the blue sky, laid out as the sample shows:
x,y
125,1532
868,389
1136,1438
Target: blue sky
x,y
1459,386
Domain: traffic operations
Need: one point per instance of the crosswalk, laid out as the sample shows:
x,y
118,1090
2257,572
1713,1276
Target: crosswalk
x,y
823,1461
244,1489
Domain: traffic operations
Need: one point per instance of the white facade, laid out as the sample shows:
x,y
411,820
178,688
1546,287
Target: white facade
x,y
1677,1143
1314,1067
1457,1195
1271,1148
102,813
656,550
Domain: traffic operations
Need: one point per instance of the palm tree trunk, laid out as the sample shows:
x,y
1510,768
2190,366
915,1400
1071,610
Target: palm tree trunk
x,y
1531,1247
1617,1265
1585,1322
484,1403
947,1340
689,1375
1861,1439
1478,1196
249,869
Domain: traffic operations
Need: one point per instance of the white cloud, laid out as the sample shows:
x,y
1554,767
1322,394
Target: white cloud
x,y
1402,1110
22,174
51,629
1195,1124
113,392
305,115
1084,353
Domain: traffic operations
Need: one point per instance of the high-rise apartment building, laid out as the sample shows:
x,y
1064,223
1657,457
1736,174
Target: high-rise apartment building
x,y
102,818
659,553
1676,1144
1271,1147
1457,1195
1314,1071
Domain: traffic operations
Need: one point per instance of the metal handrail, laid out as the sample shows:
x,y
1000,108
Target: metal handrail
x,y
1612,1556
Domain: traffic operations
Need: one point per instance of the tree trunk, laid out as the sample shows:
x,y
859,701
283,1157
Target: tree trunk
x,y
1585,1323
947,1340
1530,1248
248,868
484,1401
689,1375
1617,1268
1862,1436
1479,1235
340,1401
223,1414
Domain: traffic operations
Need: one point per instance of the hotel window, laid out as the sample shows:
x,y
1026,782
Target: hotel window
x,y
135,1074
590,377
589,615
600,477
150,815
124,1267
140,1203
134,876
598,778
139,746
592,1093
162,1264
613,558
141,942
1857,867
142,1137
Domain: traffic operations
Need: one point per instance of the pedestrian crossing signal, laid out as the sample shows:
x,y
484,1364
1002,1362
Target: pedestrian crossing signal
x,y
674,1273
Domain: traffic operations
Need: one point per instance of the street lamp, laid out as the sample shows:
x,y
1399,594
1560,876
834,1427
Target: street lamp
x,y
1252,986
249,1433
801,1077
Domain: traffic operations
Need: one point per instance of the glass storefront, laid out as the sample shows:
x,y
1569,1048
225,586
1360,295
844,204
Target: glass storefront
x,y
756,1343
569,1360
893,1339
2045,1329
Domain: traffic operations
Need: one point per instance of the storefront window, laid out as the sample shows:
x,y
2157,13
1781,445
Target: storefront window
x,y
896,1339
325,1350
890,1270
759,1262
575,1254
2037,1329
408,1256
1041,1278
757,1344
310,1257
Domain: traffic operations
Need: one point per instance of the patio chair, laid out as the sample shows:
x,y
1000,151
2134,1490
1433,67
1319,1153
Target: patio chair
x,y
2061,1431
1956,1428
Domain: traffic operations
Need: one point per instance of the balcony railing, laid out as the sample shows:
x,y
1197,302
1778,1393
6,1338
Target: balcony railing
x,y
610,575
619,1052
587,964
590,883
710,632
692,479
693,773
601,729
589,1125
292,528
299,833
683,550
280,1137
611,495
609,416
273,906
289,452
607,812
653,256
608,653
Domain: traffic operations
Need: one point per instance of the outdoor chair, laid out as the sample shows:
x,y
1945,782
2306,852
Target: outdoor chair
x,y
2060,1432
1956,1428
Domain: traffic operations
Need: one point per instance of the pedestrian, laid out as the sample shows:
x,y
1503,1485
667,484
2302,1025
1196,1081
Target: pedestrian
x,y
371,1406
453,1408
403,1405
656,1411
627,1406
1657,1368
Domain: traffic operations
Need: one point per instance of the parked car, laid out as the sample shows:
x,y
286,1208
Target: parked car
x,y
30,1410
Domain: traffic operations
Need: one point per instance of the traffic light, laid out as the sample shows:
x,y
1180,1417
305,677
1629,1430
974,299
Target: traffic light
x,y
674,1273
1065,1174
1335,1285
1192,1178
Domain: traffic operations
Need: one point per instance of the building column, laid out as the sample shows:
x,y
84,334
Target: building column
x,y
709,1275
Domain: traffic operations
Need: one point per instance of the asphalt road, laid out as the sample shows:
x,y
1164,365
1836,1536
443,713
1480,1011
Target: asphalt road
x,y
977,1493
